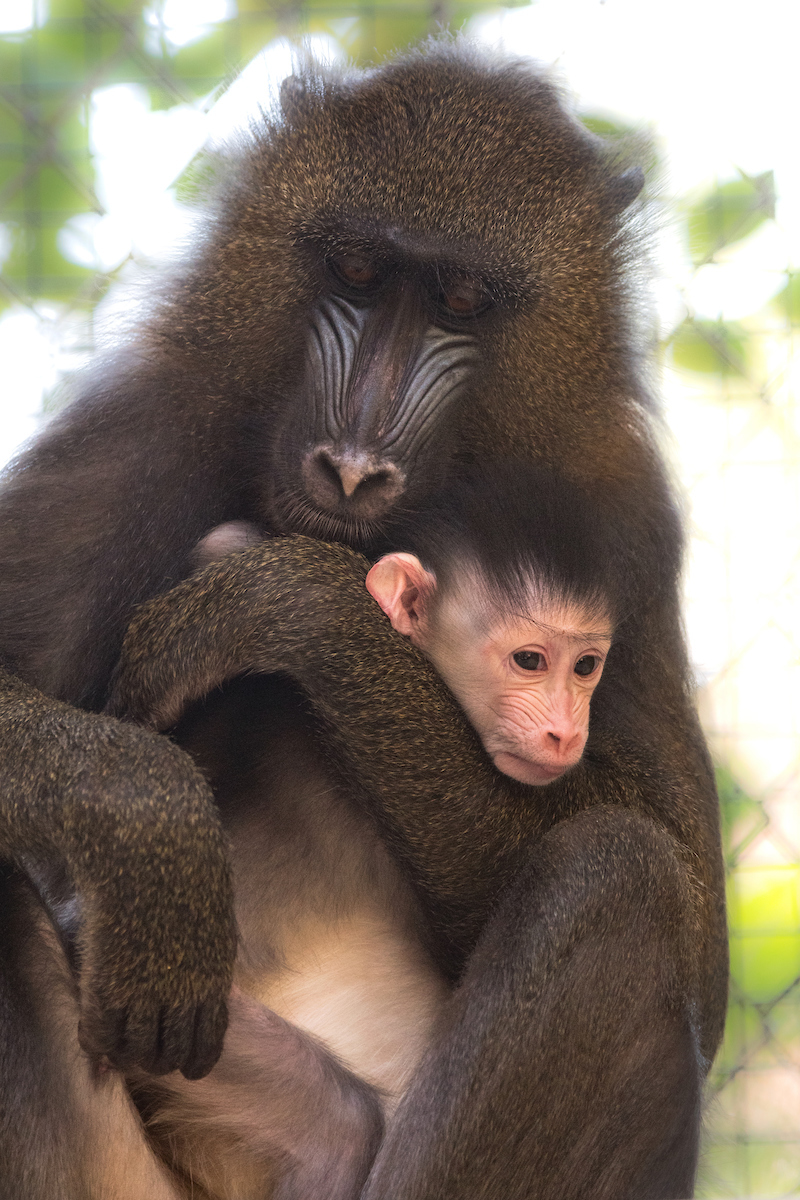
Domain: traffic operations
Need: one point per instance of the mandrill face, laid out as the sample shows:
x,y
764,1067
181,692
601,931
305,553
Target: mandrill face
x,y
525,681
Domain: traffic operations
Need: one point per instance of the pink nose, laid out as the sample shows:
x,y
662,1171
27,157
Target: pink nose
x,y
562,742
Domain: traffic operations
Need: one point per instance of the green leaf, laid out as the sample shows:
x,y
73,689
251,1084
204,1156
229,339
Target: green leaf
x,y
749,1167
788,300
11,66
36,266
197,180
60,52
129,11
744,1029
203,63
729,213
392,33
603,126
710,347
253,35
60,10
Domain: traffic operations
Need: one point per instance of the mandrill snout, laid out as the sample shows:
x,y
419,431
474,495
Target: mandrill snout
x,y
349,483
545,755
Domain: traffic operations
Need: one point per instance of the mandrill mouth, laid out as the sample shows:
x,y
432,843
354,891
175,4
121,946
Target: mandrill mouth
x,y
524,770
295,513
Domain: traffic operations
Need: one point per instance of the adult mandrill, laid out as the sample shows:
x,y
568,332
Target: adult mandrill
x,y
412,269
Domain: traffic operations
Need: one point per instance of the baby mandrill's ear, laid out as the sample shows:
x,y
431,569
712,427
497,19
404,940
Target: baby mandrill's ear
x,y
402,586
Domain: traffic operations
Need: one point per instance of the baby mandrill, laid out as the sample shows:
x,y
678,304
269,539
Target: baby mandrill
x,y
508,584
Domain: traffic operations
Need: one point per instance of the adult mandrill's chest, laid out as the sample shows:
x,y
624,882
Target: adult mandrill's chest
x,y
330,933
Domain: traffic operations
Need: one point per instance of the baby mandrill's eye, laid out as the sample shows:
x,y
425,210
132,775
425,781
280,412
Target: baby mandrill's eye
x,y
586,665
530,660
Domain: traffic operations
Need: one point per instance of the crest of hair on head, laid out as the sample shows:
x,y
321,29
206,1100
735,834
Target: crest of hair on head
x,y
525,537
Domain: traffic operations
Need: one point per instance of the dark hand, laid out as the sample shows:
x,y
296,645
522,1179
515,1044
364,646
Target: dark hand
x,y
135,824
159,939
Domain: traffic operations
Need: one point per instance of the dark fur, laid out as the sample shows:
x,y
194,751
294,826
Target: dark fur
x,y
520,524
206,417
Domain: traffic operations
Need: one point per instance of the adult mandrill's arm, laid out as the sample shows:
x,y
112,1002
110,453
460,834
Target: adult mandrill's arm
x,y
398,738
135,825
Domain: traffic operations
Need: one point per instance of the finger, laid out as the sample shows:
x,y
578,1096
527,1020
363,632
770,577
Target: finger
x,y
211,1021
175,1038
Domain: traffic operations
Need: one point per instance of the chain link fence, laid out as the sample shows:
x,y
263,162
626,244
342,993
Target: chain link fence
x,y
103,103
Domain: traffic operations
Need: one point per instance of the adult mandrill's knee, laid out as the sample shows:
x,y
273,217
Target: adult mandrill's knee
x,y
609,884
615,857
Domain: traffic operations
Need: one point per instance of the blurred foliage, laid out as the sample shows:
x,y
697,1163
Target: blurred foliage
x,y
632,143
728,213
788,300
764,920
712,347
763,1023
714,223
742,817
763,904
47,75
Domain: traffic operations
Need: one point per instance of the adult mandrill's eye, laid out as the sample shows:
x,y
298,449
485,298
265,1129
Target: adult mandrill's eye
x,y
586,665
462,296
356,270
529,660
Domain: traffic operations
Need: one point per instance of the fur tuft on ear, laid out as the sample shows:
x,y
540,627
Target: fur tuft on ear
x,y
624,188
294,98
401,585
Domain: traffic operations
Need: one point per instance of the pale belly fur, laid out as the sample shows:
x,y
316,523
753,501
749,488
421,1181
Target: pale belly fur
x,y
329,928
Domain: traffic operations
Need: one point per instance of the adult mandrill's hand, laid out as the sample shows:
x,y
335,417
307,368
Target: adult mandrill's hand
x,y
137,827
